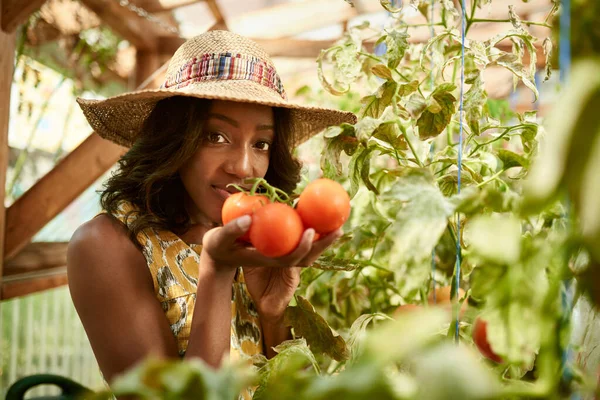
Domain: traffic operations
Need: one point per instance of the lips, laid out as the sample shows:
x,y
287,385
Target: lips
x,y
226,191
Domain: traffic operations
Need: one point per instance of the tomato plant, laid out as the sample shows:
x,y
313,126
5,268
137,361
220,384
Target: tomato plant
x,y
240,204
324,206
276,229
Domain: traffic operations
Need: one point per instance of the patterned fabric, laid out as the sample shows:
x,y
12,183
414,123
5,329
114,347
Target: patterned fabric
x,y
226,66
173,265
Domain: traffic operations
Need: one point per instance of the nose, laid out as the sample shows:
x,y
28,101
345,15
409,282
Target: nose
x,y
239,163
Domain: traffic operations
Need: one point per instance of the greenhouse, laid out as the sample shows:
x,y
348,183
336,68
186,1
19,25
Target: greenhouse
x,y
300,199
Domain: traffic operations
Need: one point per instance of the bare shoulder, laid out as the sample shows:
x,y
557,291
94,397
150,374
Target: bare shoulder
x,y
102,248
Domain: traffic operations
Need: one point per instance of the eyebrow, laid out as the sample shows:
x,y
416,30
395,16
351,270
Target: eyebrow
x,y
234,123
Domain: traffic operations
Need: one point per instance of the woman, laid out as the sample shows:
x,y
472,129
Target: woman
x,y
156,273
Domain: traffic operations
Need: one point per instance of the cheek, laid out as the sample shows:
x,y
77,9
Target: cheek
x,y
261,165
194,172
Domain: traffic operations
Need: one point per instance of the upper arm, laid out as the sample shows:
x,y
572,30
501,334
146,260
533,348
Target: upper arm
x,y
113,294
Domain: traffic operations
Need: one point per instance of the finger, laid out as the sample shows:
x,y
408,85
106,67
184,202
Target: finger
x,y
228,233
302,250
320,246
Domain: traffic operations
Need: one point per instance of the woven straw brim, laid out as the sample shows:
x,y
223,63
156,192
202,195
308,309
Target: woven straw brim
x,y
120,118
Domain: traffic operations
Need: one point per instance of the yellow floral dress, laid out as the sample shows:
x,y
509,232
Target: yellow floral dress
x,y
173,265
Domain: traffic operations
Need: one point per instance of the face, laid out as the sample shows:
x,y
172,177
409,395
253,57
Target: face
x,y
237,143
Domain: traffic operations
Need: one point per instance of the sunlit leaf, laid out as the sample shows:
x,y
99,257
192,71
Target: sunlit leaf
x,y
307,323
374,105
397,43
432,124
382,71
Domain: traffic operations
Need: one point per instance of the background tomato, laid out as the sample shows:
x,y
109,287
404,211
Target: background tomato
x,y
276,229
406,308
443,297
324,205
480,339
240,204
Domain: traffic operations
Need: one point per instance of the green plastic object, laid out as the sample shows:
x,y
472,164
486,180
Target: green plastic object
x,y
70,390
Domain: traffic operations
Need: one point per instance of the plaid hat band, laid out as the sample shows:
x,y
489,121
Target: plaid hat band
x,y
226,66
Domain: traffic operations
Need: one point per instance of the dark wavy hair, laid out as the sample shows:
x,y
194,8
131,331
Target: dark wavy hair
x,y
147,175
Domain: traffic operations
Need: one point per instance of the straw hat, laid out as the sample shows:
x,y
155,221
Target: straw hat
x,y
214,65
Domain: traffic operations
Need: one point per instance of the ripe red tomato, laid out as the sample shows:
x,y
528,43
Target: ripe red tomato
x,y
324,206
480,339
240,204
276,229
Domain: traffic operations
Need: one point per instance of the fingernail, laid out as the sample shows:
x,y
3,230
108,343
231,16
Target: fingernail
x,y
244,222
310,233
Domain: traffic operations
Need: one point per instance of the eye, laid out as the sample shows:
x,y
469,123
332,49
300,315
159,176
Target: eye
x,y
263,145
215,138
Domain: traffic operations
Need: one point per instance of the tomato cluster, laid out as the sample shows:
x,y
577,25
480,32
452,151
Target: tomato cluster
x,y
277,228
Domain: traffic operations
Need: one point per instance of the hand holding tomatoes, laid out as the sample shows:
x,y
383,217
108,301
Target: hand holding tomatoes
x,y
276,228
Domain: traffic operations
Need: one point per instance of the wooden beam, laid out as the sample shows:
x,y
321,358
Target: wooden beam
x,y
37,257
17,286
7,44
157,6
216,12
292,18
140,32
146,62
57,189
39,266
15,12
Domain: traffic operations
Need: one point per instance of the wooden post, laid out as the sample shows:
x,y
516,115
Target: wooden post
x,y
146,62
7,60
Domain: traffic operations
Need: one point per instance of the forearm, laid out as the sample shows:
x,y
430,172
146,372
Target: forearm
x,y
274,332
210,333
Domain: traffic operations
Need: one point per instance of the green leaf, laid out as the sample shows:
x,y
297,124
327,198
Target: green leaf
x,y
358,331
495,239
511,159
404,89
514,18
432,124
451,371
311,326
293,359
548,52
374,105
475,99
418,213
509,62
344,141
387,4
513,61
433,106
365,128
359,170
389,133
397,43
382,72
330,263
415,105
321,75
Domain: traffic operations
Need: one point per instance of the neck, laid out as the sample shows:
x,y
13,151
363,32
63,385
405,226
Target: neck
x,y
200,223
